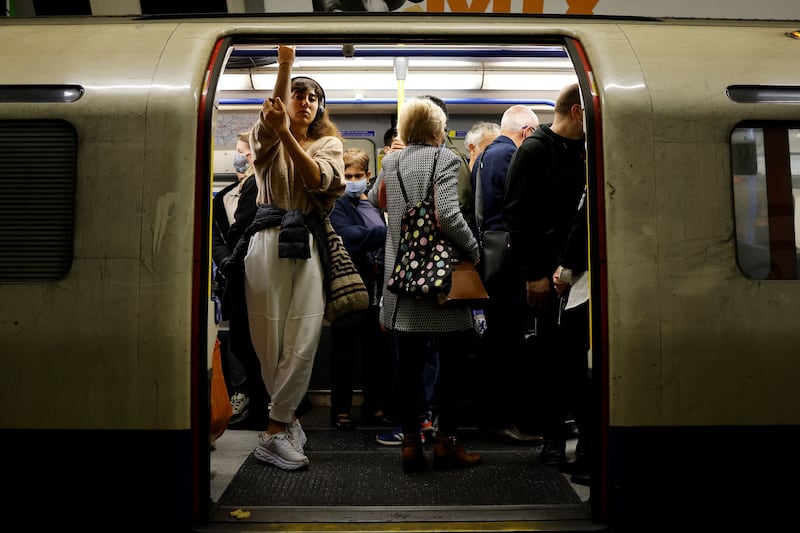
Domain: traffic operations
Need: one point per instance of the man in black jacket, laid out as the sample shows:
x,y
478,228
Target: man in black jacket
x,y
504,398
545,180
571,280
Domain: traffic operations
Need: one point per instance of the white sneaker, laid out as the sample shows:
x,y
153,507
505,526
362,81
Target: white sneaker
x,y
239,403
278,450
295,431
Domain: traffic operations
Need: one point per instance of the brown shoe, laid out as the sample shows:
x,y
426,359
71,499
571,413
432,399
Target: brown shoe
x,y
413,455
448,453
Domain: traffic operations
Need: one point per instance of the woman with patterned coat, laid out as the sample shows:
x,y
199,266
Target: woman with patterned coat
x,y
414,322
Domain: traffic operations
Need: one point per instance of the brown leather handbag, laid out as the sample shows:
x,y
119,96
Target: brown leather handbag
x,y
466,287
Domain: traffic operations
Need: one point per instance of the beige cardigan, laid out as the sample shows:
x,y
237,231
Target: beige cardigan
x,y
277,183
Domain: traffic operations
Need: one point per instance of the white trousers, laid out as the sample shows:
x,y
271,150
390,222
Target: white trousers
x,y
285,308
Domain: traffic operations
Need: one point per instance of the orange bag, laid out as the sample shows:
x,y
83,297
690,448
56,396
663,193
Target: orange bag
x,y
221,410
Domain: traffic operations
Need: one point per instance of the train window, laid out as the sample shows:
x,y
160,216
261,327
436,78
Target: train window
x,y
751,94
229,124
765,162
37,199
40,93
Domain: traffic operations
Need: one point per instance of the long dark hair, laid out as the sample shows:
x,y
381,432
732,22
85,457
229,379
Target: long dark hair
x,y
322,125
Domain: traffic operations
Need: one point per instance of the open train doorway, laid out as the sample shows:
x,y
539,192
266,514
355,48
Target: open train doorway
x,y
353,478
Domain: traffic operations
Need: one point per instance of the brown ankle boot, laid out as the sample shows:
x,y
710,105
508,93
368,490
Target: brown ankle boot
x,y
413,455
448,453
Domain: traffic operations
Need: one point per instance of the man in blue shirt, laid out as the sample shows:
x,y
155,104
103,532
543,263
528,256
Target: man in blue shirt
x,y
501,362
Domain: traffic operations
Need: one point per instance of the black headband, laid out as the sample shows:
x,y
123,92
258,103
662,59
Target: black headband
x,y
311,82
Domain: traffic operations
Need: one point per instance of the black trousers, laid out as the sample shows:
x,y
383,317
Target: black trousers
x,y
504,397
364,341
241,347
412,351
561,368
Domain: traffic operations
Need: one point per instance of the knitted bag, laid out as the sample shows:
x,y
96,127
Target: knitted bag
x,y
347,295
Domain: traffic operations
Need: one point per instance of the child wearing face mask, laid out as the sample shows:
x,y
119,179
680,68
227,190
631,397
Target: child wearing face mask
x,y
363,230
240,164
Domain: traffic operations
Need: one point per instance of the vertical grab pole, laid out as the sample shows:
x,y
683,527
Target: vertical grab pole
x,y
400,72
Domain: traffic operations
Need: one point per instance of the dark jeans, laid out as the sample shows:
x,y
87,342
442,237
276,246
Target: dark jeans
x,y
430,377
413,349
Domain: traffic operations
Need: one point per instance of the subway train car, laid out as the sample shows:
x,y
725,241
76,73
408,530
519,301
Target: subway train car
x,y
113,129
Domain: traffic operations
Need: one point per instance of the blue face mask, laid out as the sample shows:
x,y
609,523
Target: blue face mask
x,y
355,189
240,163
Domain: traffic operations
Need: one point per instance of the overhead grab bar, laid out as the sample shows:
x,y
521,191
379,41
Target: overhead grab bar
x,y
300,51
392,101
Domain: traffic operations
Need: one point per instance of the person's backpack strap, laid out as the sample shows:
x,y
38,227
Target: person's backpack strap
x,y
430,185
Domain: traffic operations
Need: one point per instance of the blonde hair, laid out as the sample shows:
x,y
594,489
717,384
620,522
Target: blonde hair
x,y
357,157
421,121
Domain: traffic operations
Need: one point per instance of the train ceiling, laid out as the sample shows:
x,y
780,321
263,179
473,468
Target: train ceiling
x,y
369,79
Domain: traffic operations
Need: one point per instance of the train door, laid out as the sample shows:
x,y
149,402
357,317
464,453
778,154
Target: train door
x,y
364,106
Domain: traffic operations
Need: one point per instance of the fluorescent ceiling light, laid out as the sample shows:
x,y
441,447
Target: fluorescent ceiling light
x,y
369,81
518,81
235,82
417,81
533,63
356,63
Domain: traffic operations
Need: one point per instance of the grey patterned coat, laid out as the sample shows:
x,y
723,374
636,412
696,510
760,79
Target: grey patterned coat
x,y
416,162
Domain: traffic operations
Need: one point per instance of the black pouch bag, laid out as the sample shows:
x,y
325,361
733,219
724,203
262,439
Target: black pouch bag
x,y
293,237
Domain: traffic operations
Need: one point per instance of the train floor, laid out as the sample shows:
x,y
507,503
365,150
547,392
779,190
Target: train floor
x,y
351,478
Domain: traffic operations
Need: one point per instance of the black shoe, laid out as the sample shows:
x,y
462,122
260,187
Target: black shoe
x,y
571,428
581,478
342,421
553,453
581,475
513,435
239,417
378,418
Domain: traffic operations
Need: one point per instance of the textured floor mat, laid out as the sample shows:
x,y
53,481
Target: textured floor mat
x,y
350,469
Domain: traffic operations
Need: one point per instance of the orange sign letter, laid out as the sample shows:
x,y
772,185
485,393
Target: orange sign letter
x,y
533,6
581,7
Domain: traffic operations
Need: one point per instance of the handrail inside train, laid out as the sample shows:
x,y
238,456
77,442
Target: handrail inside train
x,y
384,101
432,51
